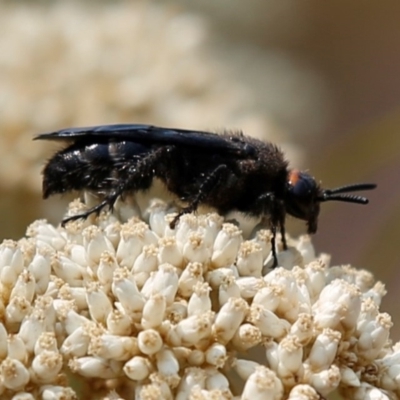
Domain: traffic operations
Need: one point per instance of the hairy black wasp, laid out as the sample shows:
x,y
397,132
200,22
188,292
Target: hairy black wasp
x,y
229,172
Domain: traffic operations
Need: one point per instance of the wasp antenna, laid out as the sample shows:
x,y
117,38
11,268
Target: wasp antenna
x,y
350,188
348,198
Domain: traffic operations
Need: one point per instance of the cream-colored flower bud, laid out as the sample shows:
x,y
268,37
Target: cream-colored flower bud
x,y
138,368
263,384
128,208
154,390
119,323
8,277
167,364
389,370
149,341
46,342
249,260
216,355
77,295
76,344
303,392
338,306
268,323
349,377
263,238
188,223
14,374
169,251
16,349
367,392
325,381
192,377
199,301
146,260
229,318
268,296
99,303
324,350
250,286
94,367
112,231
292,301
164,281
216,277
246,337
112,347
127,293
303,328
216,380
17,309
374,336
72,320
133,237
204,394
190,276
153,311
228,289
52,392
11,258
287,259
47,366
105,271
190,331
196,358
213,223
196,249
316,281
376,293
157,212
95,243
69,271
40,269
290,354
176,312
46,234
23,396
306,249
245,368
44,311
272,354
226,246
31,329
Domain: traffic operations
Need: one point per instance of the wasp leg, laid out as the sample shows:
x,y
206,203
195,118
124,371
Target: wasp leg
x,y
209,184
108,201
140,177
273,248
283,233
268,204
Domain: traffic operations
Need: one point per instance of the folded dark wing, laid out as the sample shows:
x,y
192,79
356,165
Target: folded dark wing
x,y
153,135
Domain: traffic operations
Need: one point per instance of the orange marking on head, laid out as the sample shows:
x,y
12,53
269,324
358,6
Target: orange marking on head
x,y
294,176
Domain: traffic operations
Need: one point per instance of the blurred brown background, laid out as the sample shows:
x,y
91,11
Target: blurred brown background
x,y
319,78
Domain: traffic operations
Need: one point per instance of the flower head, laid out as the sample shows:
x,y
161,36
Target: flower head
x,y
143,310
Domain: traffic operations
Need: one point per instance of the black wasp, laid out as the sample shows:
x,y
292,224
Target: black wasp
x,y
229,172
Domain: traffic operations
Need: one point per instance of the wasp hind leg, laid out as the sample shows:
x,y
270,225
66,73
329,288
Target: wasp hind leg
x,y
109,201
140,177
208,185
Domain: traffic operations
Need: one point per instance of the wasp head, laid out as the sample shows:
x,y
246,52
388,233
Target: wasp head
x,y
304,195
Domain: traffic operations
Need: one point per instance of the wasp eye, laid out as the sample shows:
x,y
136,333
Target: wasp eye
x,y
301,184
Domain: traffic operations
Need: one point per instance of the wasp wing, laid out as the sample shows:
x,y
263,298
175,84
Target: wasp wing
x,y
153,135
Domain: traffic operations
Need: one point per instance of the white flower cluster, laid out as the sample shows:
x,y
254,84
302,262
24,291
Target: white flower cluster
x,y
139,311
